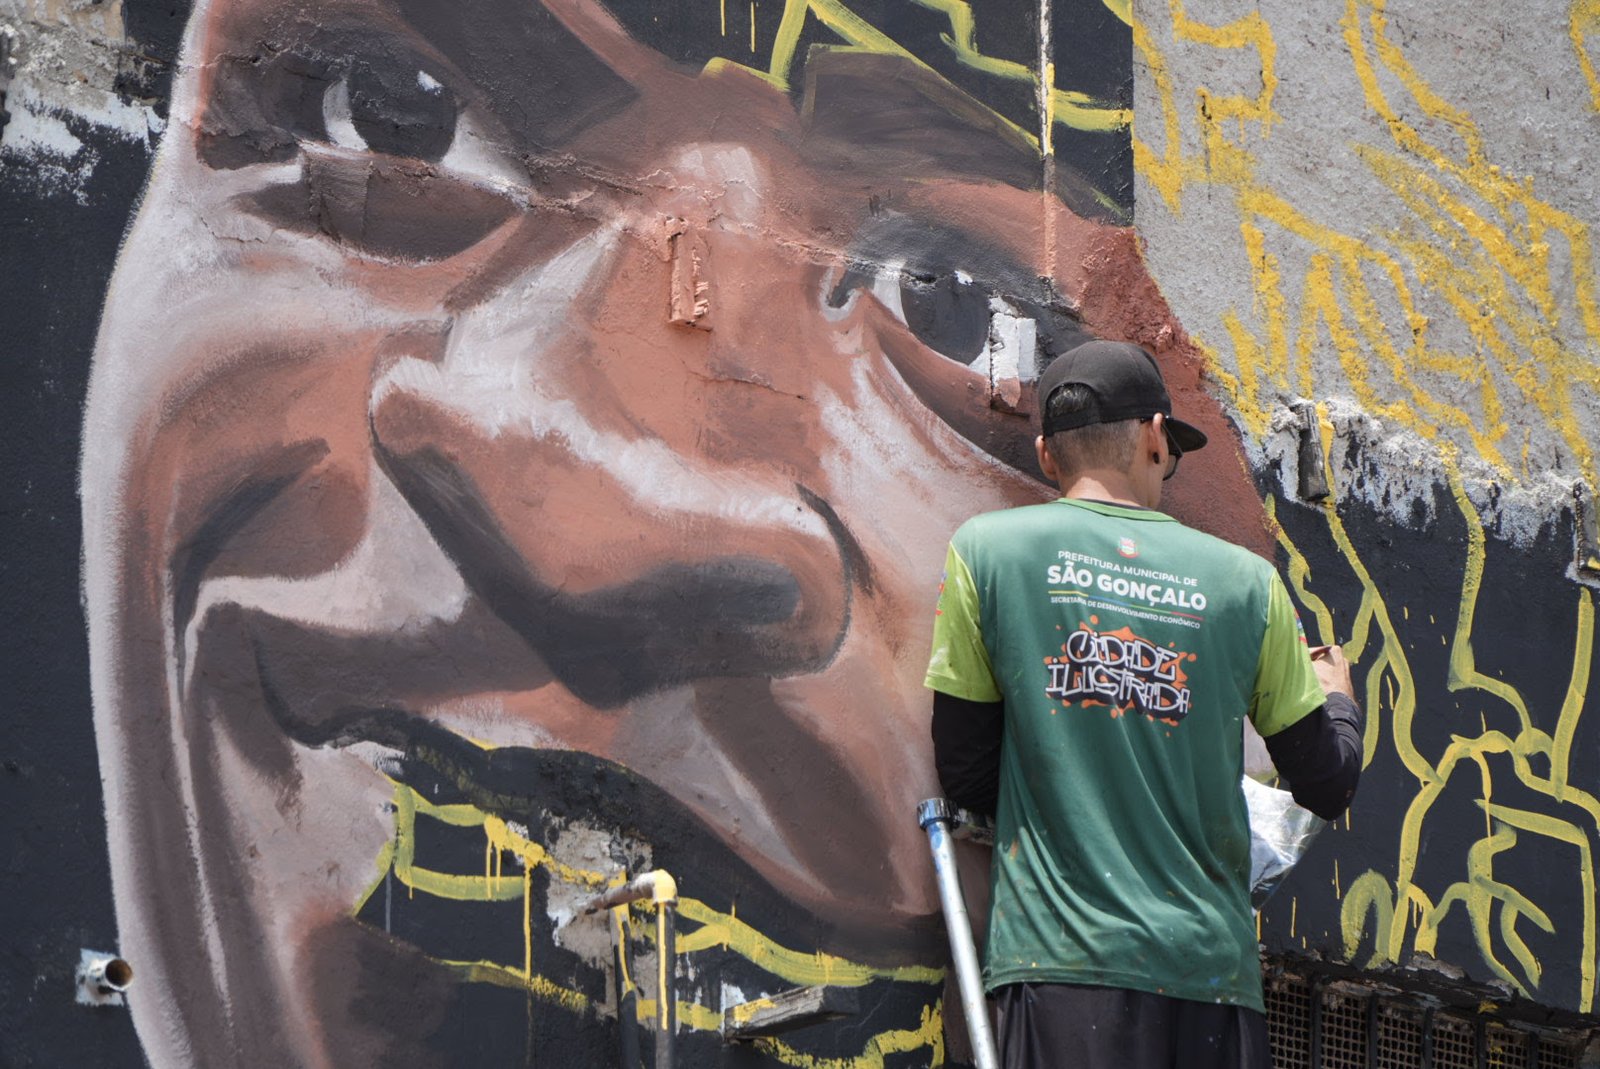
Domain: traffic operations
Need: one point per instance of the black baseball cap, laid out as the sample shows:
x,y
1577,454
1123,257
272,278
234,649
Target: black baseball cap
x,y
1126,384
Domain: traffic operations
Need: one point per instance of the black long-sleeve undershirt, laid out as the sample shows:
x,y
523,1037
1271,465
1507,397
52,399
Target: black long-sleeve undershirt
x,y
1318,756
966,750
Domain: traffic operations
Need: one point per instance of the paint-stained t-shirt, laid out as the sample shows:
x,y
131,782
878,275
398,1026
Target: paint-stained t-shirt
x,y
1127,649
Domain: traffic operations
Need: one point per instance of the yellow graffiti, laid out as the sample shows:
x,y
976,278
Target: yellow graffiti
x,y
715,929
1493,267
798,967
1581,21
1068,107
746,1012
1516,273
488,972
1390,915
928,1037
1171,170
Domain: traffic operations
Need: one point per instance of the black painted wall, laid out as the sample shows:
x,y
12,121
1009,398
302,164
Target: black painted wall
x,y
56,256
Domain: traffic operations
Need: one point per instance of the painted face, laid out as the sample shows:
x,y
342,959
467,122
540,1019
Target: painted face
x,y
501,431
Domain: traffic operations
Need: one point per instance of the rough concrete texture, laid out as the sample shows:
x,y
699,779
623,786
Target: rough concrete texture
x,y
1386,206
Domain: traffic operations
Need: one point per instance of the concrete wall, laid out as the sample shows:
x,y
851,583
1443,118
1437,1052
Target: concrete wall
x,y
516,446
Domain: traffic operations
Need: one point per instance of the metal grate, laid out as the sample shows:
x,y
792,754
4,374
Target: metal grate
x,y
1335,1025
1454,1044
1399,1035
1559,1053
1344,1030
1288,1004
1505,1048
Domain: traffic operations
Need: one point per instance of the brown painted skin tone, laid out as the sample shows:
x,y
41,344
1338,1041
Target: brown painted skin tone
x,y
314,462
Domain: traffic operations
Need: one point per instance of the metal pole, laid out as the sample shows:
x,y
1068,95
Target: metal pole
x,y
662,891
627,1004
936,816
666,997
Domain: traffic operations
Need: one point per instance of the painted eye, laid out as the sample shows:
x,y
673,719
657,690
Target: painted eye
x,y
947,313
424,122
392,110
998,337
998,319
412,180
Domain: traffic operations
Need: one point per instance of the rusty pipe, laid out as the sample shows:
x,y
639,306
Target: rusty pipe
x,y
662,890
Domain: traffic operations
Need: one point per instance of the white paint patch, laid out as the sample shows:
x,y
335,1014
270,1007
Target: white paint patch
x,y
733,996
40,143
336,117
486,719
39,135
131,122
886,289
32,131
587,848
1400,475
474,154
384,760
730,168
1012,347
107,111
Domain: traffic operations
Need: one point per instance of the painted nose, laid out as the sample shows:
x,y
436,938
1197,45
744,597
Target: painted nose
x,y
710,614
626,576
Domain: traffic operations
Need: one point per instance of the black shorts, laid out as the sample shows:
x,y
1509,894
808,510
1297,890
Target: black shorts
x,y
1067,1026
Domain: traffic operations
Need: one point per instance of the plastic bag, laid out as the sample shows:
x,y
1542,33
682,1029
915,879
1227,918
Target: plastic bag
x,y
1280,833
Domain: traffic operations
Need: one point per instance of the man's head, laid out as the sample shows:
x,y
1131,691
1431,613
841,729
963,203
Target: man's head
x,y
1106,418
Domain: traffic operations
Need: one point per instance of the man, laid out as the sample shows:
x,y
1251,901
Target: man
x,y
1093,661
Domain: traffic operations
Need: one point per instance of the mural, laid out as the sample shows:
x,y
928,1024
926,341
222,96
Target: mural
x,y
521,448
522,439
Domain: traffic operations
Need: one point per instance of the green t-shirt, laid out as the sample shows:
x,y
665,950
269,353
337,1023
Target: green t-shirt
x,y
1127,648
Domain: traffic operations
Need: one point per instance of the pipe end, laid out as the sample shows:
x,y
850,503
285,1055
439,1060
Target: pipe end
x,y
102,978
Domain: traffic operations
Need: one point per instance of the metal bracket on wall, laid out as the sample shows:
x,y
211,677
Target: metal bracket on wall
x,y
662,890
1313,469
103,978
1586,514
8,46
788,1010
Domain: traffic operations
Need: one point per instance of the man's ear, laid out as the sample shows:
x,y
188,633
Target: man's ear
x,y
1155,436
1047,463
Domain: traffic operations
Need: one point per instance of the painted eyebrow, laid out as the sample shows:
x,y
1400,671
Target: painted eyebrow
x,y
514,60
542,83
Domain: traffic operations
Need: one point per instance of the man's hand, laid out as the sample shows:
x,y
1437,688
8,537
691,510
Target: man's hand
x,y
1320,754
1333,671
